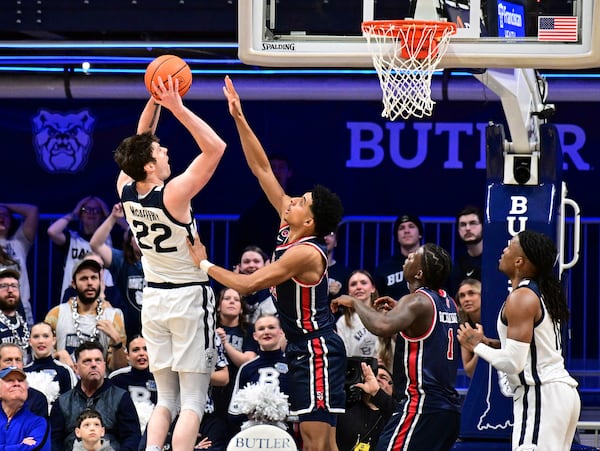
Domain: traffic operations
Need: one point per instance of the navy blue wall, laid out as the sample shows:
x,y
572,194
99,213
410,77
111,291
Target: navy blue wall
x,y
430,167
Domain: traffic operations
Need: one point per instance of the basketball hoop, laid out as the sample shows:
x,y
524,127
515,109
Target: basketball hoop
x,y
405,55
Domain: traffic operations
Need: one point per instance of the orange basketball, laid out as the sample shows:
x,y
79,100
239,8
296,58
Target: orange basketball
x,y
164,66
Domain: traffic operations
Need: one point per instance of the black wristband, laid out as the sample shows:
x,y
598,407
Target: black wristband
x,y
118,345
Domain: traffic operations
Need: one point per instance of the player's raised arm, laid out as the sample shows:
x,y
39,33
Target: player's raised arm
x,y
149,118
254,152
194,178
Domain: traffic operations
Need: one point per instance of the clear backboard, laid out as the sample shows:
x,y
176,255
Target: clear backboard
x,y
544,34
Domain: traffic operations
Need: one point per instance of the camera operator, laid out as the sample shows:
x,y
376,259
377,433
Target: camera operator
x,y
360,427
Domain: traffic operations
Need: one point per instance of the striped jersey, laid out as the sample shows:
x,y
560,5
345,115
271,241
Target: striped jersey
x,y
303,308
161,238
425,367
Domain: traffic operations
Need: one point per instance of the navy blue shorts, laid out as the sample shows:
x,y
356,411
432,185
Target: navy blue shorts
x,y
435,431
317,369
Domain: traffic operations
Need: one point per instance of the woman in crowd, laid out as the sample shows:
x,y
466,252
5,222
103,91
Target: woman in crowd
x,y
357,339
236,336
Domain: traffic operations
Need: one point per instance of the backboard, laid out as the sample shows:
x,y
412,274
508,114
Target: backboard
x,y
544,34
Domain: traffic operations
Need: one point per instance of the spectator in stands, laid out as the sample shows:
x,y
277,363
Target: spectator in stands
x,y
236,335
268,367
15,240
90,211
89,429
20,429
125,266
13,327
337,273
12,355
469,311
94,390
469,225
468,297
136,378
359,342
87,317
389,275
260,302
364,420
43,343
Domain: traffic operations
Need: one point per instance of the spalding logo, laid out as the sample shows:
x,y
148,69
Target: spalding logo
x,y
62,142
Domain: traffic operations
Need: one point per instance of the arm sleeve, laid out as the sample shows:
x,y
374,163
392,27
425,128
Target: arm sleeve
x,y
511,359
57,427
38,403
386,403
129,433
41,432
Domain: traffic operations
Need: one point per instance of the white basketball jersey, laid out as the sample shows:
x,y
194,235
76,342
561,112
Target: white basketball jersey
x,y
545,362
162,239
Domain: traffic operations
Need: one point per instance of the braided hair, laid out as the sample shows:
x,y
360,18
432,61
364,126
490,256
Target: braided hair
x,y
436,265
541,252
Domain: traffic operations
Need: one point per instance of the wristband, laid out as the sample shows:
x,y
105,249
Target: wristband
x,y
205,265
117,345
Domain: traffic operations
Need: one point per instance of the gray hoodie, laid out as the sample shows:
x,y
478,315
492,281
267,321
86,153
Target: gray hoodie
x,y
78,446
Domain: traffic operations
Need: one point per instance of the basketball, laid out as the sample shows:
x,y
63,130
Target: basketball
x,y
166,65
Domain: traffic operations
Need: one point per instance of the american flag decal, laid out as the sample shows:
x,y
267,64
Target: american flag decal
x,y
557,28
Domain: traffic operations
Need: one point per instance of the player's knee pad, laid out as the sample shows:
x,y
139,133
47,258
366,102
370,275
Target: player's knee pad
x,y
167,385
194,390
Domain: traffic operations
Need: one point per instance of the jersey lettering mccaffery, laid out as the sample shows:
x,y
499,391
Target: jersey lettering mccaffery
x,y
156,230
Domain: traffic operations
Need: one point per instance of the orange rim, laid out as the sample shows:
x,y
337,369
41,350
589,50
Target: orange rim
x,y
385,27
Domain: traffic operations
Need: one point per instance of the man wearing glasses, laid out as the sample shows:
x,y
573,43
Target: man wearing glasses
x,y
469,224
13,327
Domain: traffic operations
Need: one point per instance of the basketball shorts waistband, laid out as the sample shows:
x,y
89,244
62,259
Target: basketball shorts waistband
x,y
310,335
171,285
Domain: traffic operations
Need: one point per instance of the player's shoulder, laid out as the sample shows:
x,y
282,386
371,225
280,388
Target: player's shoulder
x,y
521,300
53,312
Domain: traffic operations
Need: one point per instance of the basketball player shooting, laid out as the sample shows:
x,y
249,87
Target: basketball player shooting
x,y
315,353
178,304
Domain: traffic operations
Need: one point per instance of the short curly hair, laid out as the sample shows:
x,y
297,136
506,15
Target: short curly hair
x,y
134,153
327,211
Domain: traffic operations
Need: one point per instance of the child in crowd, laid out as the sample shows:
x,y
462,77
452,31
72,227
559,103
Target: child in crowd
x,y
89,431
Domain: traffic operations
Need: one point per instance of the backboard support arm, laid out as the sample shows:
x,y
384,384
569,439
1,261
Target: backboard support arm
x,y
523,94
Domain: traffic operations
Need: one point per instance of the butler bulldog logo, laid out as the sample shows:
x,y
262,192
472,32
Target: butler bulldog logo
x,y
62,141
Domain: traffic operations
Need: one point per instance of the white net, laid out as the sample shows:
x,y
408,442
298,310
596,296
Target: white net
x,y
405,55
